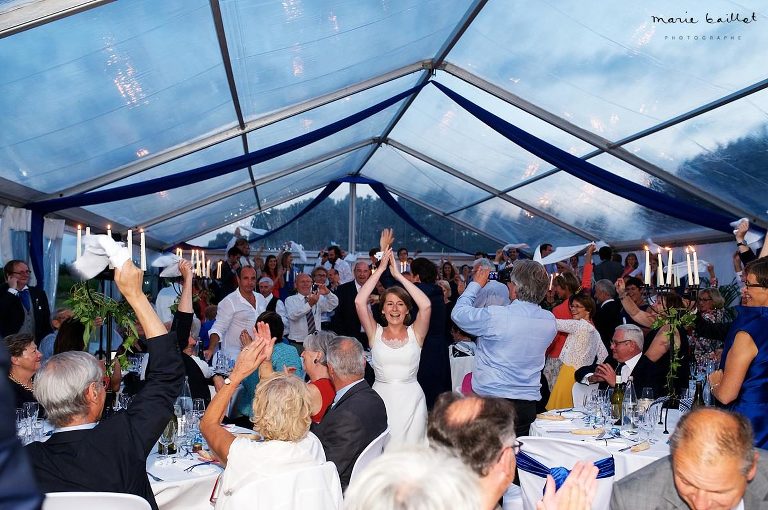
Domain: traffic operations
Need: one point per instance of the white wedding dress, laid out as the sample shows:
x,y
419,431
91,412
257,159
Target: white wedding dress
x,y
396,367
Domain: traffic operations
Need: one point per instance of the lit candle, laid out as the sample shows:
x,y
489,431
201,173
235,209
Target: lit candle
x,y
688,264
660,270
670,279
130,244
208,268
551,279
218,270
647,266
179,253
143,251
202,262
109,231
87,231
79,241
695,267
677,277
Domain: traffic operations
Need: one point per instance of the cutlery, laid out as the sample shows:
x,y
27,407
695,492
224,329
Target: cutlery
x,y
193,466
155,478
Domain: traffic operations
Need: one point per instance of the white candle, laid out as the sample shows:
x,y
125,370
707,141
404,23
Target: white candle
x,y
87,231
143,251
647,266
670,279
218,270
660,270
79,241
677,277
695,267
688,264
551,279
179,253
202,262
109,231
208,268
130,243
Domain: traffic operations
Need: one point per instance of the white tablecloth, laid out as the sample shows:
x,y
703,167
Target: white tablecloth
x,y
627,461
181,490
460,366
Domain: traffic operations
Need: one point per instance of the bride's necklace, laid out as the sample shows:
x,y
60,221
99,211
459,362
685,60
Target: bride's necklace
x,y
28,387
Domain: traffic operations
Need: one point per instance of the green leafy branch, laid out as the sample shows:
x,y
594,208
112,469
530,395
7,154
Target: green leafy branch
x,y
89,305
674,318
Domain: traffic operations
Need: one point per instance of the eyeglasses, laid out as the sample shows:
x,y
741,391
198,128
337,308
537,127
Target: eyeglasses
x,y
516,447
577,307
705,299
755,285
22,272
614,342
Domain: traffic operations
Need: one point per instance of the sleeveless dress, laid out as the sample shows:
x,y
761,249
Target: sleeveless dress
x,y
396,384
752,401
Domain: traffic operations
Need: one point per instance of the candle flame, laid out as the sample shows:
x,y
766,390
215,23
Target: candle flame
x,y
646,248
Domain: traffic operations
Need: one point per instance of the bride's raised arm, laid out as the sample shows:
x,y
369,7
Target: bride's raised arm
x,y
361,301
421,324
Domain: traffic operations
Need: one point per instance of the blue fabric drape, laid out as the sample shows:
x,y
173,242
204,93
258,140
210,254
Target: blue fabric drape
x,y
606,468
592,174
377,187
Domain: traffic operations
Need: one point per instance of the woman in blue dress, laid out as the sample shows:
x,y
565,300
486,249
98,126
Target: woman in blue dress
x,y
742,381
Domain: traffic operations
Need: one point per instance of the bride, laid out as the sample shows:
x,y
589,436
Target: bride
x,y
395,352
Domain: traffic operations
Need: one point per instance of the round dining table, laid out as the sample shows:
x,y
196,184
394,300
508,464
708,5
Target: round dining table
x,y
562,424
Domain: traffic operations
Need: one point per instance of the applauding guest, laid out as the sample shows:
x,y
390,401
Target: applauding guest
x,y
85,454
266,473
25,361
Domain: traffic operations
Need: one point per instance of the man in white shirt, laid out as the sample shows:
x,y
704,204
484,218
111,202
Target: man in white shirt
x,y
336,262
305,309
165,299
272,303
237,312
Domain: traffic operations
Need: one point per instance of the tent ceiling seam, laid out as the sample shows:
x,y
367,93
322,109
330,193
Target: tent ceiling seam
x,y
490,189
603,145
221,37
189,148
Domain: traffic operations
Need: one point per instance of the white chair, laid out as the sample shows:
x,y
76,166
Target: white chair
x,y
553,453
579,391
374,449
81,500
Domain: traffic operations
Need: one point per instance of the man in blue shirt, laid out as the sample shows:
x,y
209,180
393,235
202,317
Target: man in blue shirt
x,y
511,339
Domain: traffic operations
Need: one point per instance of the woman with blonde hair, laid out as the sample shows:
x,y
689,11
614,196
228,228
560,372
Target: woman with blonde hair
x,y
283,464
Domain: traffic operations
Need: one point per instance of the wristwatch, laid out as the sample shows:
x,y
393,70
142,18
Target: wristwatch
x,y
227,381
741,243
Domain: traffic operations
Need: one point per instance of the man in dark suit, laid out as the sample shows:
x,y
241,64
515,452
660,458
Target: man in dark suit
x,y
712,464
23,309
345,321
85,454
626,358
608,312
357,416
607,269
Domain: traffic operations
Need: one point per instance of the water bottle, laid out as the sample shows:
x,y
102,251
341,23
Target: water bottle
x,y
629,407
183,408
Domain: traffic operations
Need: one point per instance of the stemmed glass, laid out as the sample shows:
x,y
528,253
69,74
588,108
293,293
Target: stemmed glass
x,y
168,436
31,409
648,421
21,425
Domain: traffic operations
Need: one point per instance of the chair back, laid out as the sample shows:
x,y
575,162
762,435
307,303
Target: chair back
x,y
555,454
233,400
81,500
311,488
374,449
580,391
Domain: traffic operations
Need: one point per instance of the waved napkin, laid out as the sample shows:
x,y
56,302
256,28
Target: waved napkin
x,y
170,263
99,251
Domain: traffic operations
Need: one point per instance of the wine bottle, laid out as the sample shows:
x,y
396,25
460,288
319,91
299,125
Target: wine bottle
x,y
698,396
616,401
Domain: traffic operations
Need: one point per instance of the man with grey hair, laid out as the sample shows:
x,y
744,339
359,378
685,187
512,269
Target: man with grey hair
x,y
84,453
608,313
712,465
511,339
271,302
357,415
627,359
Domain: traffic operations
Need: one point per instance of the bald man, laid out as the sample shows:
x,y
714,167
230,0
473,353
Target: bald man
x,y
712,465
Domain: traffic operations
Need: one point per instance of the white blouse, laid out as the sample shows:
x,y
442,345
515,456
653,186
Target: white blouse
x,y
582,344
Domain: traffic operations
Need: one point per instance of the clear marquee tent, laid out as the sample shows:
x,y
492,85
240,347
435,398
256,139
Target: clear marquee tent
x,y
668,96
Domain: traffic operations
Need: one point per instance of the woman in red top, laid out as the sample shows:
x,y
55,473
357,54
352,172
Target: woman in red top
x,y
321,390
565,285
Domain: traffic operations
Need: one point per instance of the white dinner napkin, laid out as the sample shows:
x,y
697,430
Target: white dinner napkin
x,y
99,251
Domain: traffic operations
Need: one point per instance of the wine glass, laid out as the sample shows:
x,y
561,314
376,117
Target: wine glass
x,y
168,436
646,398
31,409
648,421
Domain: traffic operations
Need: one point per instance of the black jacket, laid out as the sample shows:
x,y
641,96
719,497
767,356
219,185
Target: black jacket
x,y
12,312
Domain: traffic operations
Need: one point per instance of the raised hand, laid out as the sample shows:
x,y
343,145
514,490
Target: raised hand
x,y
386,239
